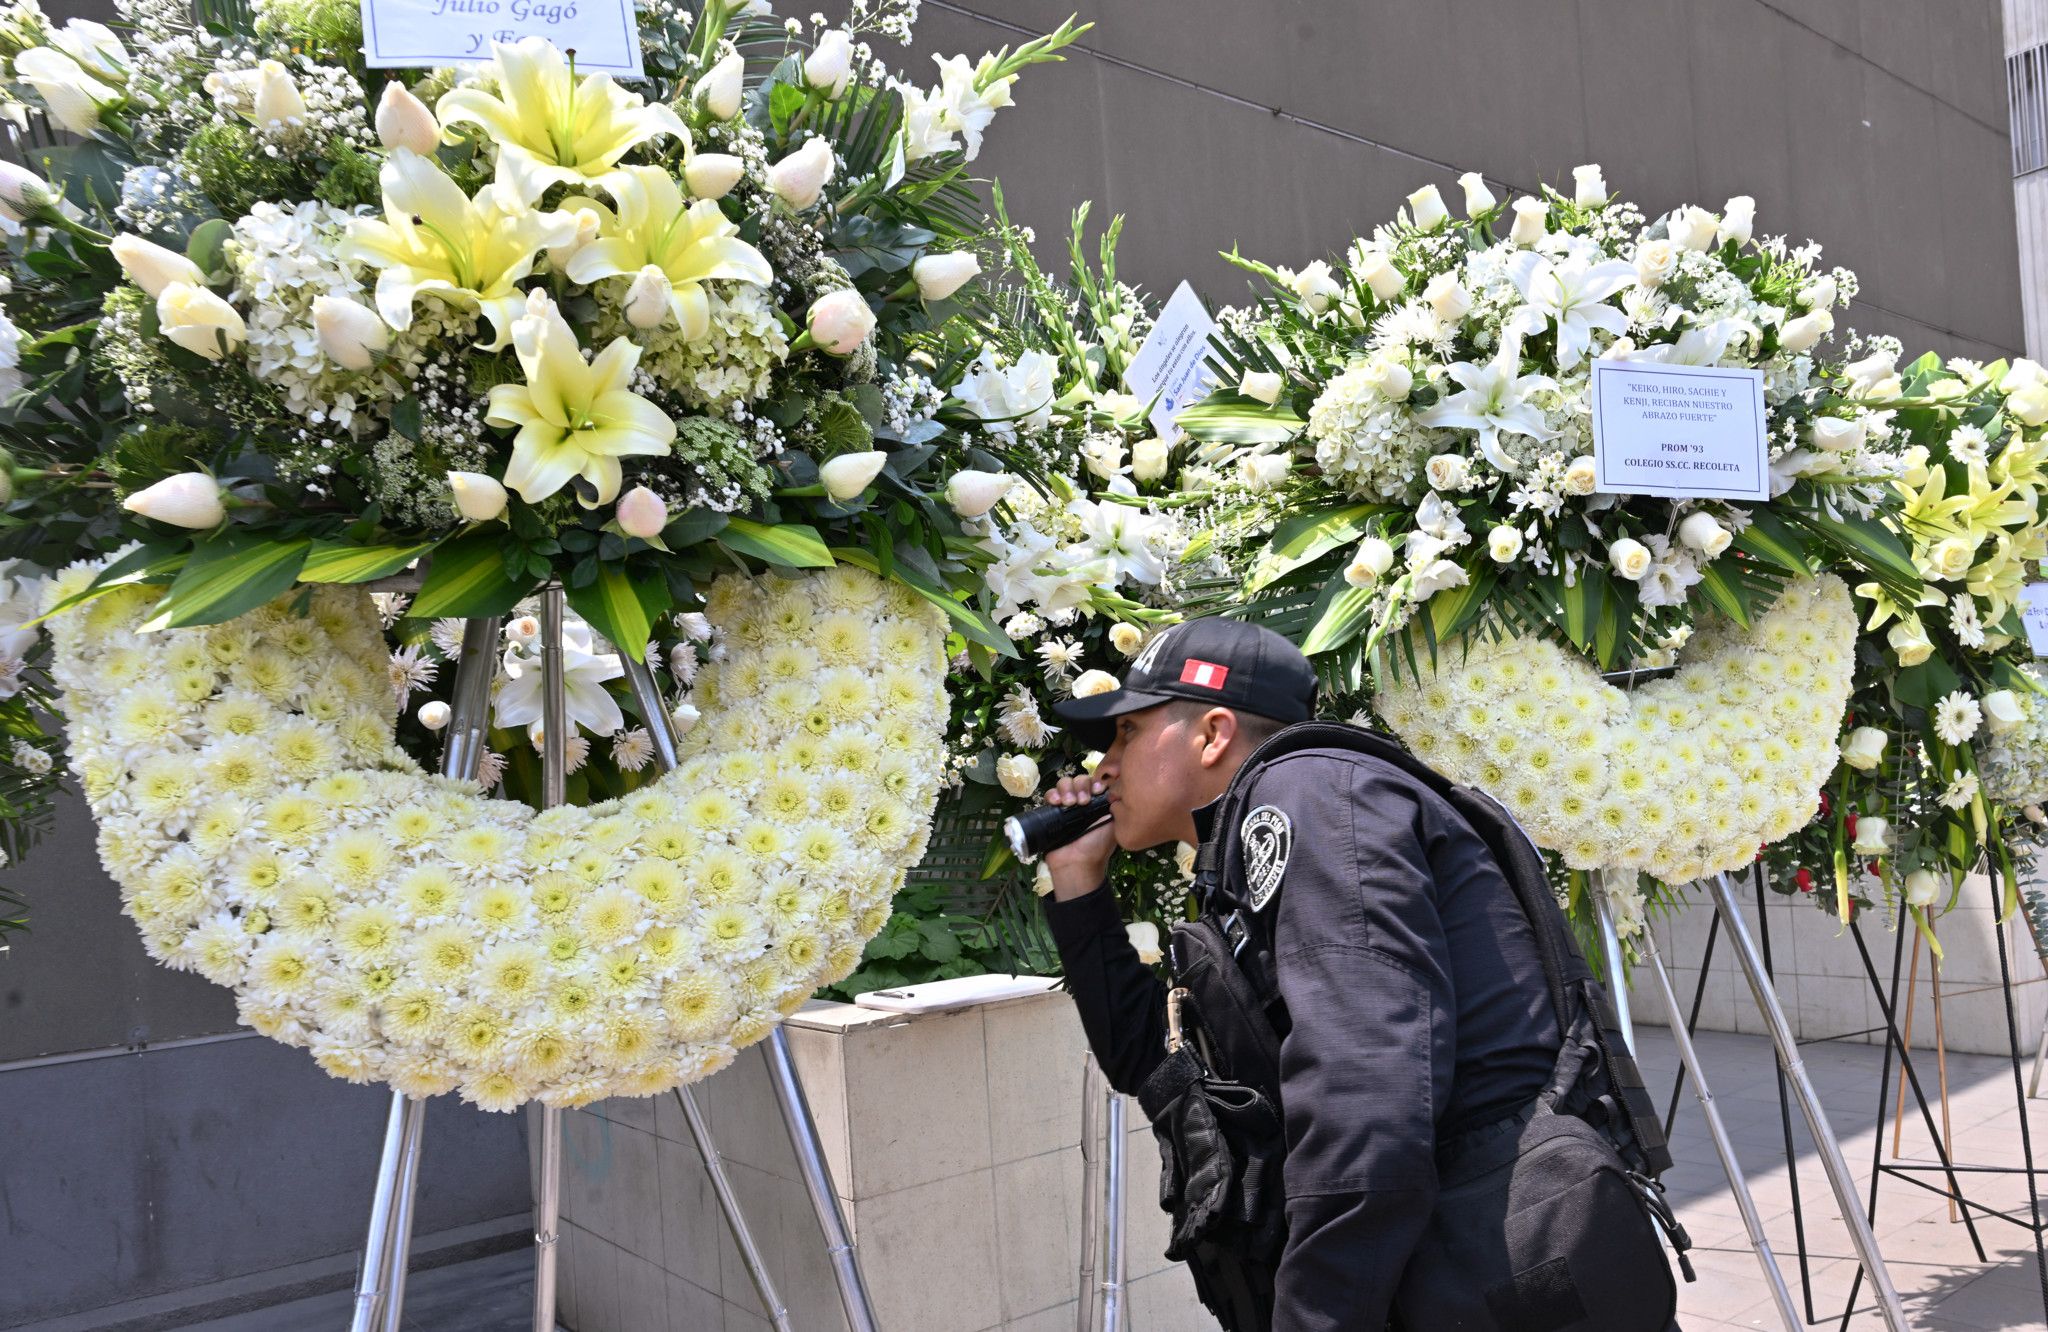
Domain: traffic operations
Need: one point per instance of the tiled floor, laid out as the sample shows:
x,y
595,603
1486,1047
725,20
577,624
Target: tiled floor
x,y
1943,1285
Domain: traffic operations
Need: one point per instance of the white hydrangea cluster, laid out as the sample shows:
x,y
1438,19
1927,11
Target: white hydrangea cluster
x,y
1366,444
733,363
284,259
2013,763
1680,777
267,832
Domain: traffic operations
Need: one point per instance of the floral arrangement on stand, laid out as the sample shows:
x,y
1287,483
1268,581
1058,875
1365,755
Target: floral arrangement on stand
x,y
1407,489
279,324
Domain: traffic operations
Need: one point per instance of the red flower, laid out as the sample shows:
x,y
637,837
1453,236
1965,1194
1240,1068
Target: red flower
x,y
1825,804
1849,825
1804,878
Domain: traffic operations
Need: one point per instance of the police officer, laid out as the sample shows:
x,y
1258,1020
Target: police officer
x,y
1415,1001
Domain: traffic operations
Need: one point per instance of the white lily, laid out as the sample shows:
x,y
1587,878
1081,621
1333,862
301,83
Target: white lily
x,y
655,226
1495,399
552,128
575,418
1572,295
435,240
584,671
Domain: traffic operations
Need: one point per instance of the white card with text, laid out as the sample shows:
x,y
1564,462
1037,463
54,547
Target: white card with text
x,y
2034,614
1682,431
1170,362
406,34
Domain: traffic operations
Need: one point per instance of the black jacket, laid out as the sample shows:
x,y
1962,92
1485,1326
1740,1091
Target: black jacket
x,y
1416,1008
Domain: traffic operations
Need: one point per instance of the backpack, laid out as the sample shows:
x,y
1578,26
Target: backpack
x,y
1545,1221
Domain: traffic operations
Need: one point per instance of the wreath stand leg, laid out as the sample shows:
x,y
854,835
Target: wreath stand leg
x,y
1610,946
789,1095
1102,1201
554,790
729,1203
1091,1189
380,1288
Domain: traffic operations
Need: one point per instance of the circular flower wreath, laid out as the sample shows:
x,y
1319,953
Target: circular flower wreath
x,y
268,832
1681,777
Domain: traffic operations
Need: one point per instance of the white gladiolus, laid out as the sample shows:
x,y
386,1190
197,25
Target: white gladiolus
x,y
973,493
799,179
1262,385
1503,543
1801,333
940,275
722,86
189,499
712,175
839,321
1836,434
1019,775
1704,533
1379,273
1873,836
1738,219
846,476
278,99
1449,299
1589,187
1144,937
1149,459
1531,222
1922,886
351,333
1426,206
829,66
647,297
152,267
1477,197
199,321
641,513
1863,748
478,498
404,121
23,193
1369,563
1629,558
1694,228
2002,711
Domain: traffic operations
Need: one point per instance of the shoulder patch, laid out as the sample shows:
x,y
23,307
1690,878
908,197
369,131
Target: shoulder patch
x,y
1268,837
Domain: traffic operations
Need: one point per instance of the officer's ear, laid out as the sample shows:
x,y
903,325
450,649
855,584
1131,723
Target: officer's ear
x,y
1219,728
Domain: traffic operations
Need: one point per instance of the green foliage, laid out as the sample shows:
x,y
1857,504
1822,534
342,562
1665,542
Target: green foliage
x,y
330,31
140,458
229,165
922,942
351,179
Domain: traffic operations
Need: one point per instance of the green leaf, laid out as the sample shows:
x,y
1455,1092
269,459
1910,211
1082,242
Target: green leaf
x,y
1769,539
621,607
1725,593
1231,418
340,562
467,578
1866,541
1341,620
1454,609
208,245
226,577
790,545
144,564
1302,537
1925,685
1581,603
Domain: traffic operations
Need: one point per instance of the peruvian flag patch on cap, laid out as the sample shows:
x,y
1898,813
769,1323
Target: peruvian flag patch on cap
x,y
1207,674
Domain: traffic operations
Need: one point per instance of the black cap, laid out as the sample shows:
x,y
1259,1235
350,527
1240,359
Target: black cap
x,y
1225,662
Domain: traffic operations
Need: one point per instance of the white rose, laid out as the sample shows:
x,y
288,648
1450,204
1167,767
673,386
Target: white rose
x,y
1922,887
973,493
1738,219
1837,434
1863,748
1477,197
1144,937
1090,683
1018,774
1910,642
1447,471
1103,455
1693,228
278,100
846,476
1426,206
1390,378
1445,296
351,333
940,275
1589,187
1531,219
800,178
685,717
1655,262
1951,557
1041,879
1704,533
95,47
1797,335
829,67
199,321
478,498
404,121
434,714
189,499
1819,294
1149,459
2002,711
1369,563
22,192
152,267
1378,272
1582,476
839,321
1314,285
1629,558
712,175
647,297
1126,638
1184,859
1871,373
1263,471
1503,543
1873,836
75,98
1262,385
641,513
722,86
2029,405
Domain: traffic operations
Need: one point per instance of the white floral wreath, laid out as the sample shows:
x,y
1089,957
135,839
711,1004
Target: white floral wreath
x,y
1681,777
268,832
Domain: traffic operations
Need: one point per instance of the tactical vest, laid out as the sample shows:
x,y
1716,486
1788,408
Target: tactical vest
x,y
1546,1221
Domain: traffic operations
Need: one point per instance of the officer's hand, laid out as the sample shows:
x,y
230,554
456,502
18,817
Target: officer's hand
x,y
1080,866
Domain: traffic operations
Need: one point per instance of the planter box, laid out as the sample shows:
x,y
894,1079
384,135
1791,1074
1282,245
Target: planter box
x,y
954,1140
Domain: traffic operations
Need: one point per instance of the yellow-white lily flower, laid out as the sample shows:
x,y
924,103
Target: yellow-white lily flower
x,y
550,127
435,240
691,243
575,418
